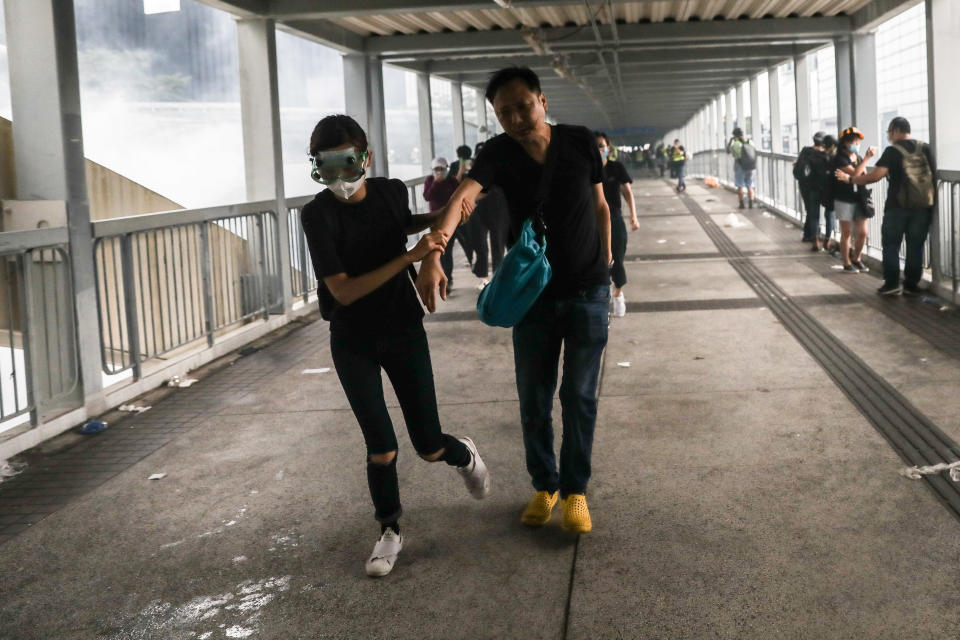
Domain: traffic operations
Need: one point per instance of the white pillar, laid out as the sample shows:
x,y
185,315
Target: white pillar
x,y
425,108
727,117
741,118
262,148
843,62
363,96
801,76
866,110
776,129
756,129
456,100
49,159
943,51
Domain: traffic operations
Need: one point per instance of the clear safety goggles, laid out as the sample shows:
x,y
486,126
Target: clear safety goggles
x,y
345,164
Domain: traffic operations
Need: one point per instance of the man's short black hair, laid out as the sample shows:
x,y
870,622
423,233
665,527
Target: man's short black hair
x,y
463,151
601,134
505,76
737,132
900,124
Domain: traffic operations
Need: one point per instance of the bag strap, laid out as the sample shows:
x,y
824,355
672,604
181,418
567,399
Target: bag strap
x,y
553,150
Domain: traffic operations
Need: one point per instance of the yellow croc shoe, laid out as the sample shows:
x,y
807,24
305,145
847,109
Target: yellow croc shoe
x,y
539,509
576,515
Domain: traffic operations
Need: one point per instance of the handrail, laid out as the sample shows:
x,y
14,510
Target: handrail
x,y
20,241
177,217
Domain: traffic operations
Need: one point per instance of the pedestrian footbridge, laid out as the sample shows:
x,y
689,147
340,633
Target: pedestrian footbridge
x,y
776,452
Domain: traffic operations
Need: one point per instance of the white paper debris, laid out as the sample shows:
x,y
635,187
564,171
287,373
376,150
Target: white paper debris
x,y
132,408
623,364
767,214
321,370
157,476
837,267
661,241
682,242
733,220
177,381
10,469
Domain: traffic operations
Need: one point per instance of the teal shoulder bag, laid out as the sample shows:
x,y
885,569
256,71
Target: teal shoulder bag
x,y
525,270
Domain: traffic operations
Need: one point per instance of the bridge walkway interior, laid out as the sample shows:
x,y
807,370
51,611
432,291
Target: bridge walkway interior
x,y
742,488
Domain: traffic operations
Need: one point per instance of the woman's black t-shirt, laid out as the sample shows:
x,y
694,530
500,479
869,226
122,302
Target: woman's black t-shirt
x,y
573,241
614,176
842,191
356,239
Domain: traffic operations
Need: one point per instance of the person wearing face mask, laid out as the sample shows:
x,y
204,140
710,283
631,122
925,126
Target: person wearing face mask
x,y
437,189
853,222
616,182
908,165
356,231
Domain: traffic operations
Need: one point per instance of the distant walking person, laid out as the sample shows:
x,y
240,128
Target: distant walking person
x,y
744,164
909,166
616,182
357,231
437,189
853,221
680,165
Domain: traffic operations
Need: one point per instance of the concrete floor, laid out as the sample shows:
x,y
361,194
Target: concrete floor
x,y
737,493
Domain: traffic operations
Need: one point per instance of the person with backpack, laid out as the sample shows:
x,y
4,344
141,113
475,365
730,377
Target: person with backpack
x,y
810,171
357,230
744,164
908,165
826,199
679,158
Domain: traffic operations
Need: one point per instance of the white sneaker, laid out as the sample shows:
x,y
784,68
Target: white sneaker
x,y
384,554
475,474
483,283
619,306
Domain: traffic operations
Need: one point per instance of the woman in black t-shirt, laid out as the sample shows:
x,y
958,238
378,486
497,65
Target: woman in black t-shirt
x,y
357,231
845,200
617,181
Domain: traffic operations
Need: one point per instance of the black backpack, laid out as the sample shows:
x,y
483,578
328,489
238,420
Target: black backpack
x,y
325,299
748,156
812,168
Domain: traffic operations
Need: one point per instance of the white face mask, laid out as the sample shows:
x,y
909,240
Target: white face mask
x,y
346,190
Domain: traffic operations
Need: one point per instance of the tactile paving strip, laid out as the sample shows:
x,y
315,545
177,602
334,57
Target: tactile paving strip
x,y
914,437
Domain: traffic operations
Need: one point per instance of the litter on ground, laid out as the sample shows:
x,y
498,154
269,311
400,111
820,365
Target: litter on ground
x,y
157,476
177,381
132,408
320,370
623,364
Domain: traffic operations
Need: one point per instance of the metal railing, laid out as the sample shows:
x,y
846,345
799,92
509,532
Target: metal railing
x,y
169,279
38,351
778,190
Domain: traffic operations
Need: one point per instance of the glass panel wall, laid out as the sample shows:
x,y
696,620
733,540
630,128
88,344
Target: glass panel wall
x,y
442,102
160,98
310,80
787,136
902,71
763,88
745,119
471,117
403,123
823,92
5,108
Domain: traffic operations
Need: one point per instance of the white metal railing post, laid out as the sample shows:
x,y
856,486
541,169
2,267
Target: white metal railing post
x,y
130,307
206,276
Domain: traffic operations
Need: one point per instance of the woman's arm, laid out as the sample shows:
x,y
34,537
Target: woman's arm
x,y
347,290
631,204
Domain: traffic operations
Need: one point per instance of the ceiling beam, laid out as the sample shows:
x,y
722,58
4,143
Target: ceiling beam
x,y
325,33
870,16
344,8
669,33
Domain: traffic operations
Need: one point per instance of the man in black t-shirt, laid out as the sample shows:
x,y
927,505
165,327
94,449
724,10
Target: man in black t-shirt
x,y
909,206
571,315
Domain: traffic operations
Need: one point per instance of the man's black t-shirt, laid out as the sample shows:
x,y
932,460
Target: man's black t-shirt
x,y
356,239
614,175
892,159
843,191
573,240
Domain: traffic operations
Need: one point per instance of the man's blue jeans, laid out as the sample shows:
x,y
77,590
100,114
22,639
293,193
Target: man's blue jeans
x,y
578,323
897,223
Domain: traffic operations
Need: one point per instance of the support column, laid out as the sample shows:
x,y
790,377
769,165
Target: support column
x,y
756,130
943,51
801,78
456,99
866,109
49,160
741,118
425,108
363,94
262,149
776,129
843,62
728,117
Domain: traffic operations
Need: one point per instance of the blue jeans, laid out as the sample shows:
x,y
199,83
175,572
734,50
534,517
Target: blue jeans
x,y
681,172
897,223
579,323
